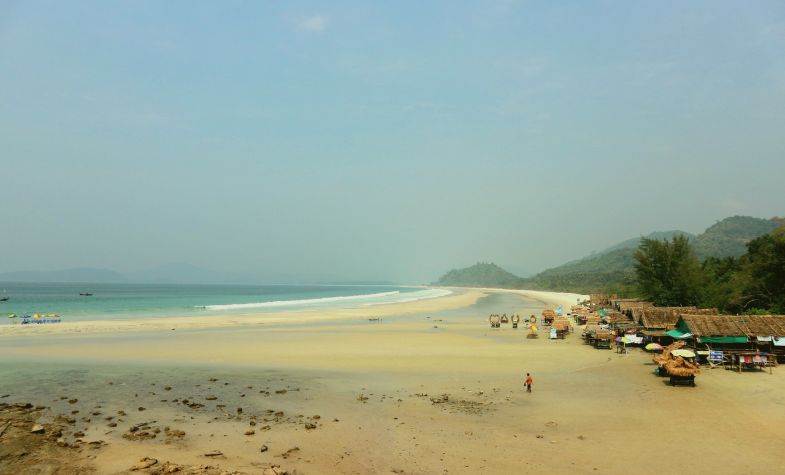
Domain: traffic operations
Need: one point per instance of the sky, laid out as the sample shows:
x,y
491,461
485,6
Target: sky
x,y
352,140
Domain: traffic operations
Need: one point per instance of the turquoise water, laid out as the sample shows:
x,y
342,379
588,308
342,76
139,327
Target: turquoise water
x,y
116,301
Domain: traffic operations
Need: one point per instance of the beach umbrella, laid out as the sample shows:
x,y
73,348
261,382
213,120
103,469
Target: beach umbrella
x,y
654,347
626,339
683,353
618,339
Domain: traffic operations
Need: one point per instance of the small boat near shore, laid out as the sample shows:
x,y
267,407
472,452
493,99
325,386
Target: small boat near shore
x,y
85,294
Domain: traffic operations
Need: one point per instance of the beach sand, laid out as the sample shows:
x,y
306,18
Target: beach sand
x,y
378,389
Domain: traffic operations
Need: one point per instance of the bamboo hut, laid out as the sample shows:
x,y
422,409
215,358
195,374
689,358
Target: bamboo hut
x,y
580,314
597,336
623,305
561,326
601,299
735,335
665,318
593,319
548,316
616,317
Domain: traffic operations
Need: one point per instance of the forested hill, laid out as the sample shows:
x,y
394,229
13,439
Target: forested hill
x,y
480,275
613,268
729,237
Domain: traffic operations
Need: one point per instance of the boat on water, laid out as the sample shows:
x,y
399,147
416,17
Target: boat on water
x,y
85,294
4,299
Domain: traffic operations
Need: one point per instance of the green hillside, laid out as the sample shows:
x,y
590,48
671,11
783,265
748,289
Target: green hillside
x,y
729,237
480,275
613,268
635,242
595,273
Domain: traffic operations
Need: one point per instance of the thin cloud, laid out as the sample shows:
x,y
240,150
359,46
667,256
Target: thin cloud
x,y
314,24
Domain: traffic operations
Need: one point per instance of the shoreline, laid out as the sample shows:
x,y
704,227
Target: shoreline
x,y
461,297
432,392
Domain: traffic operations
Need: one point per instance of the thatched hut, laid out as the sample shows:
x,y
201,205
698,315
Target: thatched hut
x,y
616,317
656,321
626,305
665,318
601,299
597,336
548,316
579,314
734,334
561,326
593,319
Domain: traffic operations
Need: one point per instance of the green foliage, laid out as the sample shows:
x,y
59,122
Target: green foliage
x,y
723,279
761,277
668,272
614,268
720,281
588,275
480,275
757,311
730,236
753,284
632,244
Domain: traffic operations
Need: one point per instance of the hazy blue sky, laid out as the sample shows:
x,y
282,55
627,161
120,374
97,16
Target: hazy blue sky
x,y
369,140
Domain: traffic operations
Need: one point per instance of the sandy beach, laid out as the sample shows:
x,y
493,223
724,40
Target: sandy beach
x,y
429,388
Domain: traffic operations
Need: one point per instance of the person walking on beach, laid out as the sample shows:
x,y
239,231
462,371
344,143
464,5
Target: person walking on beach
x,y
528,383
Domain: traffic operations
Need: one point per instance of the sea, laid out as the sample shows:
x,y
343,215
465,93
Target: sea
x,y
132,301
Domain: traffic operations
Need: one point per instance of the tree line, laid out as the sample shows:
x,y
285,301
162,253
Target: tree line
x,y
669,273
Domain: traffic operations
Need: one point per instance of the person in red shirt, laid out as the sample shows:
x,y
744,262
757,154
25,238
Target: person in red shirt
x,y
528,383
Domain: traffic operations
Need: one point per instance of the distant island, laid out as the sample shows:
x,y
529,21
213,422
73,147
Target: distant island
x,y
613,268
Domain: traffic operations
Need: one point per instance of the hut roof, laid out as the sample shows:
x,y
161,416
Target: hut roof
x,y
629,304
617,317
661,317
732,325
600,299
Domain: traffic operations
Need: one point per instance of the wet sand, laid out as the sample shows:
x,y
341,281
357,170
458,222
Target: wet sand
x,y
434,391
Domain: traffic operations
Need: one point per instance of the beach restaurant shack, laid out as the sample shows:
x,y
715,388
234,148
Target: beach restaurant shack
x,y
734,337
658,320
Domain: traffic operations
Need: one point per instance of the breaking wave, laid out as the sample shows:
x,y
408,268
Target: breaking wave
x,y
289,303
